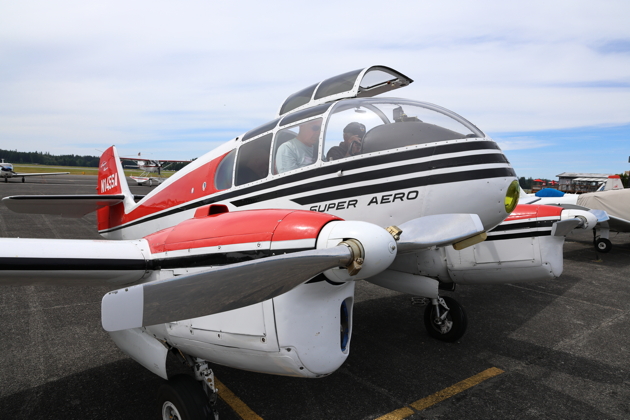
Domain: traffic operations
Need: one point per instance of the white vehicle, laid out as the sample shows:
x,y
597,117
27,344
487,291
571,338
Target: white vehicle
x,y
240,259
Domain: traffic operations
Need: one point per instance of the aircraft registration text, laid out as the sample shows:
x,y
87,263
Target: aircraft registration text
x,y
109,183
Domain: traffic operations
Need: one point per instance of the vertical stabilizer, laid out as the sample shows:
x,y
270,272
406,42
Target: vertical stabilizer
x,y
111,180
613,183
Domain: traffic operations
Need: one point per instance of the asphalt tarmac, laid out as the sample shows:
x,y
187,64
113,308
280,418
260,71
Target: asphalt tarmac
x,y
563,346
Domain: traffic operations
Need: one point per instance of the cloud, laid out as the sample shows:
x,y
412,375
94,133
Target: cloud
x,y
80,75
521,143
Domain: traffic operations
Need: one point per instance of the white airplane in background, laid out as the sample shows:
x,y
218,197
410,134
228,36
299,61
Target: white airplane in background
x,y
248,256
151,166
611,199
6,172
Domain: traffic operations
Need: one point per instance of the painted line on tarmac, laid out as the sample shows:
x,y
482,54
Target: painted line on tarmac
x,y
442,395
235,402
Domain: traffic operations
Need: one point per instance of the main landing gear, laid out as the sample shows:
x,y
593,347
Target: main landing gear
x,y
600,240
444,318
186,398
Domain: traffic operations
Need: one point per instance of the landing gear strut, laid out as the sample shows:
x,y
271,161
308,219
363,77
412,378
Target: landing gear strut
x,y
445,319
186,398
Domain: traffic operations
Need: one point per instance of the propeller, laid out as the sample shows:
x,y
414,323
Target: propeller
x,y
564,227
217,290
440,230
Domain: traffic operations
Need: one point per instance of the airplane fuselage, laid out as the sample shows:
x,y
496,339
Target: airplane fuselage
x,y
6,170
386,185
428,162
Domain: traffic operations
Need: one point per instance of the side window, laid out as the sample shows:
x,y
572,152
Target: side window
x,y
297,146
252,163
223,175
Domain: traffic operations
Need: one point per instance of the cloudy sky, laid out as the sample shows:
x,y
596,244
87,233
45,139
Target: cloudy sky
x,y
548,80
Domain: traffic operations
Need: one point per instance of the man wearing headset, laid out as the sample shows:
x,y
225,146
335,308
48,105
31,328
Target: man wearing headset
x,y
351,145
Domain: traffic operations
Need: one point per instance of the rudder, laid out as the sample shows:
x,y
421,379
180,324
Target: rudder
x,y
112,181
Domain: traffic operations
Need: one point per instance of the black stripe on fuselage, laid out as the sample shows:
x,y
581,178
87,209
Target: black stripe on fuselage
x,y
374,175
70,264
407,183
389,158
519,235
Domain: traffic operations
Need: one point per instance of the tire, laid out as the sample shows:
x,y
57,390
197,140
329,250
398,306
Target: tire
x,y
603,245
183,398
456,315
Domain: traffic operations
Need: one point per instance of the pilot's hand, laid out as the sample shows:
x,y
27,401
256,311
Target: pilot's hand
x,y
355,147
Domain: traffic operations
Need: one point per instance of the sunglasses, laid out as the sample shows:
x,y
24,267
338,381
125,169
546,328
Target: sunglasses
x,y
316,128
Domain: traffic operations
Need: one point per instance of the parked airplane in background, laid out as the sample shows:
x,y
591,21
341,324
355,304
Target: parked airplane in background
x,y
6,172
612,199
149,167
247,257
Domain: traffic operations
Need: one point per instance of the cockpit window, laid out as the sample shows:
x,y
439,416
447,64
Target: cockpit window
x,y
297,99
342,83
366,126
252,163
376,77
259,130
223,175
296,146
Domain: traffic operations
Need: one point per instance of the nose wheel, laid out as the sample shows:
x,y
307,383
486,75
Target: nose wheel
x,y
445,319
182,398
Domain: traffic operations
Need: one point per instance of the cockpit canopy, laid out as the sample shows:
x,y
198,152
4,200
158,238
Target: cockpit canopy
x,y
322,135
362,83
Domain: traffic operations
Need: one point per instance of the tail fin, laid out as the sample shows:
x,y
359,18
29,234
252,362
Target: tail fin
x,y
112,181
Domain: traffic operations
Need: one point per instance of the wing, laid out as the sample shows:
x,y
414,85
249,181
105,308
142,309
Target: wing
x,y
618,224
40,174
63,205
154,160
155,293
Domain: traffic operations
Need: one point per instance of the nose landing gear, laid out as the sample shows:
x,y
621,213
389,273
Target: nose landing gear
x,y
445,319
186,398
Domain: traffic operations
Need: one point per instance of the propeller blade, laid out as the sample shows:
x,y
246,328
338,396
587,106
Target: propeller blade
x,y
564,227
217,290
438,230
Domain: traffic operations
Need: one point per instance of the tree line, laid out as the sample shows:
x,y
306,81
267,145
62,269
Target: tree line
x,y
45,158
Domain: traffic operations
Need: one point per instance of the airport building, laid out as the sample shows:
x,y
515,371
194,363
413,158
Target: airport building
x,y
575,182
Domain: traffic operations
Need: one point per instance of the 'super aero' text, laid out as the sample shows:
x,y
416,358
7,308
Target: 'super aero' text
x,y
374,200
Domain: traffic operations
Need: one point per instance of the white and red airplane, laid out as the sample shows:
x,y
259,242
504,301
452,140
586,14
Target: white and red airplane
x,y
248,256
151,166
6,172
611,202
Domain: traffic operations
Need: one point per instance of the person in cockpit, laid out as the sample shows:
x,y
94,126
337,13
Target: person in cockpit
x,y
351,145
301,150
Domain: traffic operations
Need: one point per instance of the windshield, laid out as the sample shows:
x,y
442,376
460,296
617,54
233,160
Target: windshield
x,y
370,125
